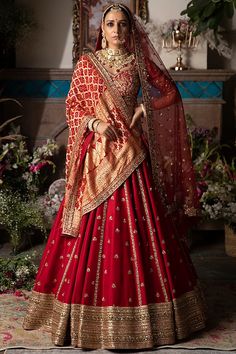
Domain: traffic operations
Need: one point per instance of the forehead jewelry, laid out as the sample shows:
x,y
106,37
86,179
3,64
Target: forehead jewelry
x,y
115,8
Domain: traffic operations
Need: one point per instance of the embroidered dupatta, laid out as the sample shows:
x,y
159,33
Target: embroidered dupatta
x,y
94,174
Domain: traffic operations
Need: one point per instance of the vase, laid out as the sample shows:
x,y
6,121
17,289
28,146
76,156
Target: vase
x,y
230,241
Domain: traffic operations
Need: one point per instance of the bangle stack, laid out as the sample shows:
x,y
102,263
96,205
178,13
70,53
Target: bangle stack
x,y
144,110
93,124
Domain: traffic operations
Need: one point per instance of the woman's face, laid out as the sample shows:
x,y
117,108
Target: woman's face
x,y
116,29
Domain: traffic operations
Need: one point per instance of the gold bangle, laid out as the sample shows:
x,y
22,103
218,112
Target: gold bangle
x,y
95,125
90,124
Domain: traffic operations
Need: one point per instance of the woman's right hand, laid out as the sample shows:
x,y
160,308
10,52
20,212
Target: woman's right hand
x,y
108,130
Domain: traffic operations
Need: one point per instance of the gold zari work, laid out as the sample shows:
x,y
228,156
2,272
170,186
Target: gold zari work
x,y
118,327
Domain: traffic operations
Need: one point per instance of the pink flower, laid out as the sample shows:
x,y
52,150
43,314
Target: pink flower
x,y
36,168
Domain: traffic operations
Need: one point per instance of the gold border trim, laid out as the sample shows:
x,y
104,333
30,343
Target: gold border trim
x,y
114,327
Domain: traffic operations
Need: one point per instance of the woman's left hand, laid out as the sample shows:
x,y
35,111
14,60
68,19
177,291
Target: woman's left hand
x,y
136,117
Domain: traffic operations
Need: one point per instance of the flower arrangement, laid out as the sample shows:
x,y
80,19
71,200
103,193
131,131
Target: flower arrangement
x,y
216,177
17,273
23,177
182,25
22,171
162,35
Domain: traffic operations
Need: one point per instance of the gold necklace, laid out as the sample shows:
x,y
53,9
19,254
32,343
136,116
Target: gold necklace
x,y
115,58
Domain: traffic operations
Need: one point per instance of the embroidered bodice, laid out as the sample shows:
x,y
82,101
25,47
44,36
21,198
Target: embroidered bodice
x,y
126,80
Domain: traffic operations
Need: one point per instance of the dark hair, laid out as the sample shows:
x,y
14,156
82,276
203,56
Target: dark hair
x,y
122,8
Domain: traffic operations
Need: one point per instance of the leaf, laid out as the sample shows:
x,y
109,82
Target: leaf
x,y
208,11
213,22
184,12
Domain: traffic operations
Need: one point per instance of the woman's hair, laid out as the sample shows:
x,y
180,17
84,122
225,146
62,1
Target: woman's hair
x,y
119,7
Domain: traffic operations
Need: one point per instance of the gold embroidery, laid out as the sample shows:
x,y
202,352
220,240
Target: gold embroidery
x,y
67,267
133,247
100,253
151,234
111,88
118,327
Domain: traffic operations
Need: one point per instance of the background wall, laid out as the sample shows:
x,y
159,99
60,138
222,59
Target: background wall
x,y
50,44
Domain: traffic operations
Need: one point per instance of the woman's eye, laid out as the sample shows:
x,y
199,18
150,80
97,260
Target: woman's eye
x,y
109,24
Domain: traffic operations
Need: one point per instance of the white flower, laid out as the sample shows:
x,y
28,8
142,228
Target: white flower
x,y
22,272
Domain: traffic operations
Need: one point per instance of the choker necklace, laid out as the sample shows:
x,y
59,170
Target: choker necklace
x,y
115,52
115,58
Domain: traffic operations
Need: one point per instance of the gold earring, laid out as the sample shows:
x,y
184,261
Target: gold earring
x,y
104,41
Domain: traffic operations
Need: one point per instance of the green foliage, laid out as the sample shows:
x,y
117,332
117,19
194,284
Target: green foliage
x,y
17,273
20,216
209,14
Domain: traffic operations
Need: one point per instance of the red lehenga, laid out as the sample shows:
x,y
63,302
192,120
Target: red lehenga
x,y
116,271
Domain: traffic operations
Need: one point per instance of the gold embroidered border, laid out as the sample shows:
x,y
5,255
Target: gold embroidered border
x,y
67,267
115,327
71,198
100,254
151,235
133,247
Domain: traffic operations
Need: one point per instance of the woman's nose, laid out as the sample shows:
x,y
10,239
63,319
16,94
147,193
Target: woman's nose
x,y
116,28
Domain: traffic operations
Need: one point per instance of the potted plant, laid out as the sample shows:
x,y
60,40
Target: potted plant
x,y
208,17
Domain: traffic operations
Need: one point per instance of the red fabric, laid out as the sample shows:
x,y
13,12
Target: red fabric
x,y
117,277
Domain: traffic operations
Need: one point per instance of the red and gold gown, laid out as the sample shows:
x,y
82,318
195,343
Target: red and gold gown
x,y
123,279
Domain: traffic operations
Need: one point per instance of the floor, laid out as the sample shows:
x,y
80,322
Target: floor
x,y
211,262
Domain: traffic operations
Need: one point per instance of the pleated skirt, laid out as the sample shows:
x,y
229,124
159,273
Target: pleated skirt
x,y
125,282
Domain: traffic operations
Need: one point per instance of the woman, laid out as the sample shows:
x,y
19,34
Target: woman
x,y
116,272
